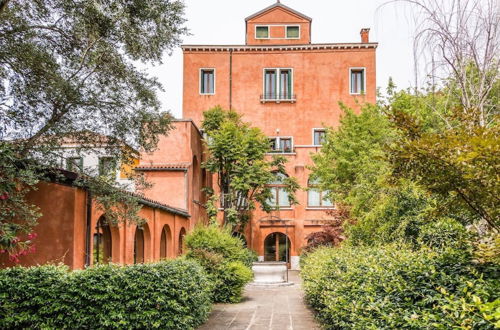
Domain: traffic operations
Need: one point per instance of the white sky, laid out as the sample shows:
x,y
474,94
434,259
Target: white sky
x,y
220,22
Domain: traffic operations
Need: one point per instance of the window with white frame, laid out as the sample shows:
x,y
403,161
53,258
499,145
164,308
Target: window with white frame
x,y
278,84
279,195
292,32
319,136
262,32
107,166
207,81
281,144
315,196
74,164
357,80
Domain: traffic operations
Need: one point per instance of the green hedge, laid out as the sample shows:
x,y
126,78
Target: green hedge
x,y
225,259
394,288
168,295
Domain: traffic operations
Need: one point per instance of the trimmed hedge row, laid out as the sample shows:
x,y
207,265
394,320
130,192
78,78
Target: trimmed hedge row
x,y
394,287
225,259
168,295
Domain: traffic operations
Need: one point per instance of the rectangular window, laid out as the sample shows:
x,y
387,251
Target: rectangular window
x,y
357,81
262,32
207,81
107,166
317,198
319,136
74,164
278,84
292,32
281,144
279,197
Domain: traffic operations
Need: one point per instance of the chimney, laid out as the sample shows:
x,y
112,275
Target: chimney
x,y
365,35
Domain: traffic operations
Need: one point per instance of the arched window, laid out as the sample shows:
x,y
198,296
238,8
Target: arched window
x,y
279,195
102,242
277,247
164,242
182,233
315,196
139,246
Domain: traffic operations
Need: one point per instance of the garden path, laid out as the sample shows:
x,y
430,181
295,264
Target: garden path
x,y
265,308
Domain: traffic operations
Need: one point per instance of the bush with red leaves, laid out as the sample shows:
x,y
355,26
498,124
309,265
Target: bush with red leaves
x,y
330,235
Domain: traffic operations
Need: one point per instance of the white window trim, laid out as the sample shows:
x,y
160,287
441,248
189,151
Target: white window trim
x,y
268,32
286,32
278,82
277,25
314,131
277,139
199,80
364,80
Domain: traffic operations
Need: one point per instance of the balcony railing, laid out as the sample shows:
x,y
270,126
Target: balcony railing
x,y
278,97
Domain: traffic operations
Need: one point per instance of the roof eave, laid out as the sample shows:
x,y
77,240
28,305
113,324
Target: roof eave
x,y
276,5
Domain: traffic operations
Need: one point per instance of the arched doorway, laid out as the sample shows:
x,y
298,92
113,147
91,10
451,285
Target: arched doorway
x,y
277,247
139,246
102,242
182,233
165,241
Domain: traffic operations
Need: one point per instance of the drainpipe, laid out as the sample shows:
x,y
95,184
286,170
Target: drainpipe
x,y
230,79
88,227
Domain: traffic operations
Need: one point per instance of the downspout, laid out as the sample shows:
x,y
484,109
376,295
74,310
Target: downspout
x,y
88,227
230,79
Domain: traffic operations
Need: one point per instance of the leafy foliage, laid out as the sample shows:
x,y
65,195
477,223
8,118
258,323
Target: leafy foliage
x,y
68,73
330,235
224,258
237,154
395,287
166,295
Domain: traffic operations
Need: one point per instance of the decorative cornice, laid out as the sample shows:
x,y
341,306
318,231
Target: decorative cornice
x,y
248,48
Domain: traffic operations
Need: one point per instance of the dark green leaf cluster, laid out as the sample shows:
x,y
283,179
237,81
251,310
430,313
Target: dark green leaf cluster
x,y
224,258
395,287
166,295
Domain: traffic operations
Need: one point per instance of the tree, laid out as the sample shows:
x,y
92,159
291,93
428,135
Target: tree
x,y
460,40
458,162
237,155
68,68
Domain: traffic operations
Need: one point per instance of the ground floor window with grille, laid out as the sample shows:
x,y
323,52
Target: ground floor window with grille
x,y
278,84
207,81
315,196
357,81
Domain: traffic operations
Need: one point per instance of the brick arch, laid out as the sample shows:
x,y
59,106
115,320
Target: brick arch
x,y
105,237
166,243
142,244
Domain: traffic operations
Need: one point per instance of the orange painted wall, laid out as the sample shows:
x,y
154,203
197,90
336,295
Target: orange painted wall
x,y
321,79
62,230
276,19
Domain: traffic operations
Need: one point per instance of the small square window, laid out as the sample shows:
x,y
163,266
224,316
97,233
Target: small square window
x,y
319,137
207,81
292,32
262,32
357,81
107,166
74,164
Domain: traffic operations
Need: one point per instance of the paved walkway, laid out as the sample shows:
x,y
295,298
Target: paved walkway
x,y
262,308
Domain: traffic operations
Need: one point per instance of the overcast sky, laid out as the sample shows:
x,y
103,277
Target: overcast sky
x,y
220,22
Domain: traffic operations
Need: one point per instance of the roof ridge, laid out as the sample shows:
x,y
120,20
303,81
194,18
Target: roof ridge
x,y
278,5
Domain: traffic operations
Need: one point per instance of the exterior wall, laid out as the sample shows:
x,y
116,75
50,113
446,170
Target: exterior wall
x,y
175,170
277,19
321,79
62,230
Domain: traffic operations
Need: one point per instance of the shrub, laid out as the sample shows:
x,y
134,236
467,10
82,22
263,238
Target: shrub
x,y
394,287
168,295
224,258
444,233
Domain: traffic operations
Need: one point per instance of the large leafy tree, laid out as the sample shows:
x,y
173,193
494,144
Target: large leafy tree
x,y
237,156
68,68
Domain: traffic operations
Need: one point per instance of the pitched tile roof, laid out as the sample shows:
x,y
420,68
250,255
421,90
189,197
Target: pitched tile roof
x,y
278,5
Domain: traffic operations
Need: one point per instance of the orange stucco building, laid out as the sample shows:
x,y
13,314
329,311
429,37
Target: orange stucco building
x,y
289,87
